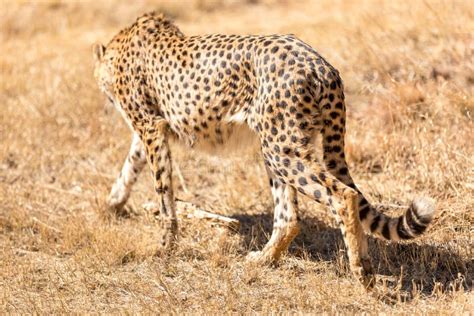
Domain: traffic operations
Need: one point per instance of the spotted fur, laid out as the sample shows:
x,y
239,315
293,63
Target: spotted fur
x,y
204,90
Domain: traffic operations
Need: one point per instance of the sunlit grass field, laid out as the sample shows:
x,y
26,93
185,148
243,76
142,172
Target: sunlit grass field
x,y
408,69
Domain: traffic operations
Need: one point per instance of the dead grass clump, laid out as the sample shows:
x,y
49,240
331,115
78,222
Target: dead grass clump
x,y
407,70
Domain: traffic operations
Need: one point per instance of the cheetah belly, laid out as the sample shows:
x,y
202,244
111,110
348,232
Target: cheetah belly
x,y
237,140
228,138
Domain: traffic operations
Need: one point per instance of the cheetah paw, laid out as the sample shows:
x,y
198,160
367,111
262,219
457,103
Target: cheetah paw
x,y
253,256
365,274
119,209
260,257
169,234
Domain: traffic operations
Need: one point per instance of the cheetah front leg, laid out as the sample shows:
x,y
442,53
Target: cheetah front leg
x,y
128,176
285,222
154,136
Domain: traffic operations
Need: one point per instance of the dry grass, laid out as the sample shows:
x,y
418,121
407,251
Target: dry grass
x,y
409,75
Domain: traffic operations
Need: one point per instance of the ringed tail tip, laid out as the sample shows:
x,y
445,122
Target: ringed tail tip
x,y
424,208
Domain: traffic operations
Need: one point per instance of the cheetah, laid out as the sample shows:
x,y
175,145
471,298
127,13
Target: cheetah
x,y
202,91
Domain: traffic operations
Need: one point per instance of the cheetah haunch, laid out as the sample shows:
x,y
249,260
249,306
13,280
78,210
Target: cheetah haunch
x,y
205,90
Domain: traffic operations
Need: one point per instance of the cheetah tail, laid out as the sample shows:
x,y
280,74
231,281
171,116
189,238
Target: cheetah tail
x,y
407,226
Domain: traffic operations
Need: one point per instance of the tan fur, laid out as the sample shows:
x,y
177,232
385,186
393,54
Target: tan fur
x,y
221,92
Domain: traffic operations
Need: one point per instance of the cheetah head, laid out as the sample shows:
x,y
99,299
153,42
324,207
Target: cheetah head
x,y
103,69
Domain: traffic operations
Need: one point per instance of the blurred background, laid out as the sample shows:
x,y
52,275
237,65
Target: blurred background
x,y
409,78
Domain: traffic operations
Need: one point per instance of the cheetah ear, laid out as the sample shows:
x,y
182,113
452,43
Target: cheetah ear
x,y
98,50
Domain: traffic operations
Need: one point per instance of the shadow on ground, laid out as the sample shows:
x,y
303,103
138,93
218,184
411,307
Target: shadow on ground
x,y
413,264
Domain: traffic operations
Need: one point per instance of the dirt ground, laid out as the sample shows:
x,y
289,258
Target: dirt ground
x,y
409,76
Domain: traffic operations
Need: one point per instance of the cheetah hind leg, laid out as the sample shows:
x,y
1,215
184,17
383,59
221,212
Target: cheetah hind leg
x,y
313,180
334,160
285,223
